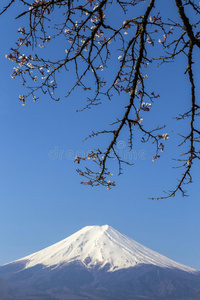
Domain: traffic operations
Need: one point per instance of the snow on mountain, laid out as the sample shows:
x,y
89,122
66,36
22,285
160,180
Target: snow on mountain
x,y
100,246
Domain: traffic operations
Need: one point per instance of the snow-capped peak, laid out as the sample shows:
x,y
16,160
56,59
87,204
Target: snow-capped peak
x,y
100,246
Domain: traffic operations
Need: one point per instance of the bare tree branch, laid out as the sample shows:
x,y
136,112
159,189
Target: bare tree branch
x,y
92,41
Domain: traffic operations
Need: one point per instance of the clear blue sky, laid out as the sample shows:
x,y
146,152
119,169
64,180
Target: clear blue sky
x,y
41,200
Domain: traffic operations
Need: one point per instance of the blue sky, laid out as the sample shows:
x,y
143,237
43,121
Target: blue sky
x,y
41,199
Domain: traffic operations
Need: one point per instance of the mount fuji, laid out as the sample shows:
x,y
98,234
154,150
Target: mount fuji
x,y
98,263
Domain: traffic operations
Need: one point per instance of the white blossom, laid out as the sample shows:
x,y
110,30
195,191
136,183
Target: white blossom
x,y
21,30
30,65
94,20
67,31
17,70
99,34
10,57
149,40
165,136
95,6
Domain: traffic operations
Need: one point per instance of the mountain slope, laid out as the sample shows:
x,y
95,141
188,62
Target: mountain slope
x,y
98,263
100,245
